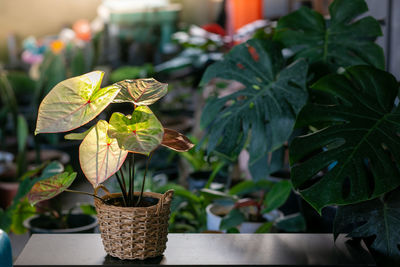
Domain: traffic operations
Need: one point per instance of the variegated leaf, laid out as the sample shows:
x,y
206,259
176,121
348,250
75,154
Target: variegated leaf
x,y
74,102
99,155
139,133
51,187
141,92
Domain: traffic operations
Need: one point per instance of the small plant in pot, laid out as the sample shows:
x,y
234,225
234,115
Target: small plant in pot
x,y
249,207
133,225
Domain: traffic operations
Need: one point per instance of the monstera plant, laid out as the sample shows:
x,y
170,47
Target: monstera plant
x,y
353,159
341,41
106,145
261,116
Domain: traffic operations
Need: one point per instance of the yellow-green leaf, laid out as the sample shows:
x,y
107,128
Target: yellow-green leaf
x,y
141,92
139,133
74,102
99,155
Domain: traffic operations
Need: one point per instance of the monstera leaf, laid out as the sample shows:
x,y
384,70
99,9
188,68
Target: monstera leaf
x,y
266,107
99,155
341,41
51,187
356,157
379,218
139,133
176,141
74,102
141,92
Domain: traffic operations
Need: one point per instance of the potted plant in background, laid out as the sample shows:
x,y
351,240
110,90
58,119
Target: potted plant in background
x,y
250,207
105,147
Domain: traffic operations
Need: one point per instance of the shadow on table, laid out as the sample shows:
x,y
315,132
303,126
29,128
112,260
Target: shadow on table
x,y
109,260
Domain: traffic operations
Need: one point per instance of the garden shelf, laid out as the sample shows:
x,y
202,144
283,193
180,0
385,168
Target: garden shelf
x,y
203,249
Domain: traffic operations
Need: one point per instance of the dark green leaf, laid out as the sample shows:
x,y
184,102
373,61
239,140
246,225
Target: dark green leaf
x,y
264,228
232,219
374,218
340,42
357,156
277,196
293,223
266,107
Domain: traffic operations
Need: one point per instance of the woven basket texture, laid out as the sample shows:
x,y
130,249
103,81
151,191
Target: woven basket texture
x,y
134,232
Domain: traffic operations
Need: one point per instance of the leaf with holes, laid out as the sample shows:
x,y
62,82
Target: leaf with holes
x,y
73,103
265,110
342,41
356,157
99,155
141,92
379,218
176,141
139,133
50,187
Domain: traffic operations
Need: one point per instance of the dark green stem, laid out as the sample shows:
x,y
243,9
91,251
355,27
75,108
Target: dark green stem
x,y
132,178
144,179
123,189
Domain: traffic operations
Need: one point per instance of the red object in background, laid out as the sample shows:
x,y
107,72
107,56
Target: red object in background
x,y
214,28
241,13
82,29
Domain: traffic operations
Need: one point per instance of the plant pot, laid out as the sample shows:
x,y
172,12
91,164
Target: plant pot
x,y
79,223
215,212
8,190
134,232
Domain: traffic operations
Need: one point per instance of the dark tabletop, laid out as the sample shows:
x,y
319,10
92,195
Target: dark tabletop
x,y
203,249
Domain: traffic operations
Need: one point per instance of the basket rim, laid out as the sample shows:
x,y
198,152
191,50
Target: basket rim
x,y
100,204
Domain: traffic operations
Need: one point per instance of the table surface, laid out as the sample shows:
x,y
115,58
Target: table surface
x,y
202,249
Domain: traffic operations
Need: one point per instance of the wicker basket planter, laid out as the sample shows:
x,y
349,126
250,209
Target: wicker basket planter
x,y
134,232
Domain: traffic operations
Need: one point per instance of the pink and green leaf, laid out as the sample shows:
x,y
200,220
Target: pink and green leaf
x,y
141,92
176,141
74,102
99,155
50,187
139,133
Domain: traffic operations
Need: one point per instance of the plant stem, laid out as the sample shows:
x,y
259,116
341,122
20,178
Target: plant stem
x,y
132,179
144,179
123,179
123,189
85,193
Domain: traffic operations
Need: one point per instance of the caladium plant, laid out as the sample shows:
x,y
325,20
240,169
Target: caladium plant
x,y
106,145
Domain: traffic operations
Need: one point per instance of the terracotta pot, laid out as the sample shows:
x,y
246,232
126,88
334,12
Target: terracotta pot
x,y
8,190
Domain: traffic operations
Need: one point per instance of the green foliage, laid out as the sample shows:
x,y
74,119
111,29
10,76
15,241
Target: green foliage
x,y
341,41
88,209
234,218
277,196
187,210
378,218
293,223
267,107
12,217
356,157
23,211
130,72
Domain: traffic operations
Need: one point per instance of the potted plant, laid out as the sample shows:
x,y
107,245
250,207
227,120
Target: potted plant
x,y
133,225
249,207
